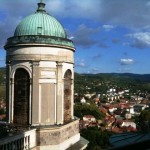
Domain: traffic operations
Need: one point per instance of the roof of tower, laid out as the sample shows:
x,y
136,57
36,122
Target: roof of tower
x,y
39,28
40,23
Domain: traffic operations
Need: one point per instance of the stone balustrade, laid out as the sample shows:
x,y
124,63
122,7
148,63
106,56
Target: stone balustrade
x,y
21,141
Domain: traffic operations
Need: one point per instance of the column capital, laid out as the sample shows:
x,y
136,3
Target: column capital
x,y
8,62
35,63
11,80
59,63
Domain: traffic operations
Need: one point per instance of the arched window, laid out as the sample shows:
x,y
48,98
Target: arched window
x,y
67,96
21,97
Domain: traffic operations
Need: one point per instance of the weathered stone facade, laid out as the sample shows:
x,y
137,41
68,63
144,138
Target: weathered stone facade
x,y
57,135
46,98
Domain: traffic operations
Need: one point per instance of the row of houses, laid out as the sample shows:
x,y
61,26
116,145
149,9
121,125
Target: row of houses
x,y
118,116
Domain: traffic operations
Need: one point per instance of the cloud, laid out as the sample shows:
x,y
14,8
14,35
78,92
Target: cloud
x,y
80,63
86,37
125,54
97,57
128,61
71,37
83,36
132,14
102,44
11,12
94,70
115,40
125,70
2,59
140,40
75,8
108,27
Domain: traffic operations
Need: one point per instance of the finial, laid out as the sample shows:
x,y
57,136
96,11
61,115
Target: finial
x,y
41,6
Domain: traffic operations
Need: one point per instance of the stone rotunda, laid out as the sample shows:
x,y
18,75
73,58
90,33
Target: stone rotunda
x,y
40,82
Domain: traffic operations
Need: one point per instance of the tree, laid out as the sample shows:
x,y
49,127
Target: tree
x,y
84,109
144,120
98,139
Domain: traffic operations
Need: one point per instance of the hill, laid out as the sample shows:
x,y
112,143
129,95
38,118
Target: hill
x,y
142,77
101,82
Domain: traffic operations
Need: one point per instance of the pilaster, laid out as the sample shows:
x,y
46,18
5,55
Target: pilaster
x,y
59,99
72,99
8,94
35,93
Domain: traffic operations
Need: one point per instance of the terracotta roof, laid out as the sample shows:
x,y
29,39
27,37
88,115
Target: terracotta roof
x,y
103,109
88,116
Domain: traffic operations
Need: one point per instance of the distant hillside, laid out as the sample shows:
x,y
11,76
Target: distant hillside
x,y
142,77
101,82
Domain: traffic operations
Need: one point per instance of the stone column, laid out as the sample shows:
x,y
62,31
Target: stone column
x,y
8,93
35,93
59,99
72,99
30,103
11,99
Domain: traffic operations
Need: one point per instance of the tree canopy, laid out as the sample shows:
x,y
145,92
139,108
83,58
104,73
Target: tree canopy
x,y
84,109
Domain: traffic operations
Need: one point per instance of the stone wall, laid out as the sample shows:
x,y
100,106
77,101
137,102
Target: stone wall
x,y
57,135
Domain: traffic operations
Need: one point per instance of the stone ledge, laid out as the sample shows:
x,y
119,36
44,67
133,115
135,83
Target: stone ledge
x,y
80,145
57,135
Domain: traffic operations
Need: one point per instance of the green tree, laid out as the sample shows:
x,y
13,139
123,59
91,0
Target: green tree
x,y
84,109
97,138
144,120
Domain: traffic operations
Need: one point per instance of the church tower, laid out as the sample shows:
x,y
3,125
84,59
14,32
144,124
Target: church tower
x,y
40,80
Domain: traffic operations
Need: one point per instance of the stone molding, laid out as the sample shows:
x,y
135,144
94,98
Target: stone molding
x,y
38,57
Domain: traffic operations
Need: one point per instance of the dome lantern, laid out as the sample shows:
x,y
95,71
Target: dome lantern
x,y
41,7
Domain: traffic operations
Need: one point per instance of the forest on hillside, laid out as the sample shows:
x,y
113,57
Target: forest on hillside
x,y
100,83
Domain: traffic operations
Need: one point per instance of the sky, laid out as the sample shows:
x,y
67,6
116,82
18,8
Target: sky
x,y
110,36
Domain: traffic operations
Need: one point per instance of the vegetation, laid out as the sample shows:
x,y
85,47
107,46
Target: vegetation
x,y
143,121
2,92
2,84
2,76
100,83
98,139
84,109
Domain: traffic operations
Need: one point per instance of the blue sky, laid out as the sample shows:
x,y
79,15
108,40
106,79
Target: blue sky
x,y
109,35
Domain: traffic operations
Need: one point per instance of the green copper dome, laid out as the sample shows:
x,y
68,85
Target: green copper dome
x,y
39,28
40,23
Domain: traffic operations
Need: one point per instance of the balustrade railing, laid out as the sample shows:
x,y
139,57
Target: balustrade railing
x,y
22,141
